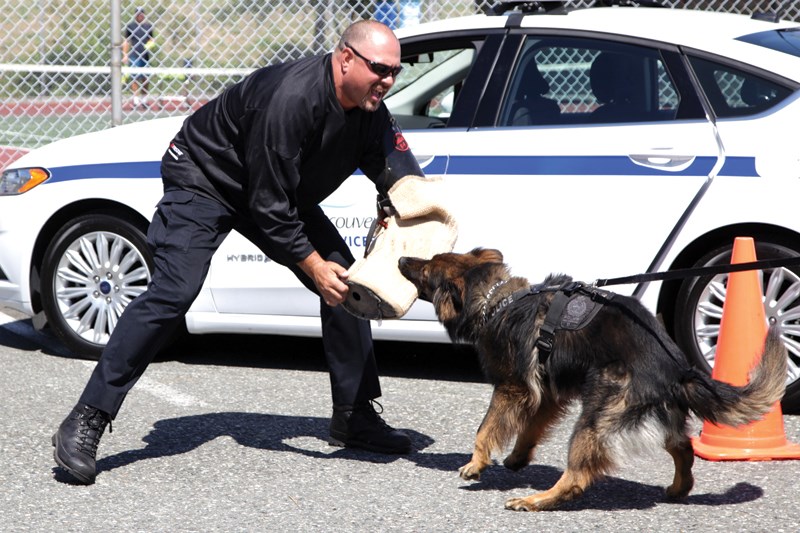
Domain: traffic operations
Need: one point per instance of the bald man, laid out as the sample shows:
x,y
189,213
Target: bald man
x,y
259,159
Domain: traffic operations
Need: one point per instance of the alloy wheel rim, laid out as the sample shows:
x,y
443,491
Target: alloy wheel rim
x,y
98,275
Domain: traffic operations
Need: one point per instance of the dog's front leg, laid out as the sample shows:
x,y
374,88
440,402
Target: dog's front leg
x,y
493,433
481,456
536,427
588,459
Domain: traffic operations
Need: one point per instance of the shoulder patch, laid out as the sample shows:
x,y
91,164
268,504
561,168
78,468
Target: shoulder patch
x,y
400,142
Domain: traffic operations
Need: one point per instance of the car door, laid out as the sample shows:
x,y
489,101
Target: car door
x,y
597,174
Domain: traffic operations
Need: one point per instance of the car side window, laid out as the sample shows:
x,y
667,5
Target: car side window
x,y
735,93
587,81
424,93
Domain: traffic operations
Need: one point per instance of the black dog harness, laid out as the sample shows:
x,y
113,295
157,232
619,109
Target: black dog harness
x,y
573,306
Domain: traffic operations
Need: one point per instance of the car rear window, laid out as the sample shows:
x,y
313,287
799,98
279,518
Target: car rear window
x,y
787,40
735,93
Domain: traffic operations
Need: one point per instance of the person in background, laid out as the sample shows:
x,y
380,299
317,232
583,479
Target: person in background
x,y
139,41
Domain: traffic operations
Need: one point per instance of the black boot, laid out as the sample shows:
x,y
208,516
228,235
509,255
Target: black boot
x,y
360,426
76,442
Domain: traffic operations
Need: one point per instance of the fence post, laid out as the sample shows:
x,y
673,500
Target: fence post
x,y
116,63
320,23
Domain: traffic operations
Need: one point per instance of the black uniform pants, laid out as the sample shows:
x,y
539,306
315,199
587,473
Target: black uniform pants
x,y
185,232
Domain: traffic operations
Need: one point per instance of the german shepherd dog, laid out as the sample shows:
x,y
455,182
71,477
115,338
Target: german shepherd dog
x,y
633,382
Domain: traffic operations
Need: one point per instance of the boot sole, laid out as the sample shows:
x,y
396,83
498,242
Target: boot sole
x,y
77,475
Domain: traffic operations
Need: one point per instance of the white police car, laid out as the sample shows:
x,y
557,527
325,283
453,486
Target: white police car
x,y
600,142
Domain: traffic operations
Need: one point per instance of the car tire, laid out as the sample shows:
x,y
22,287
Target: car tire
x,y
95,265
698,311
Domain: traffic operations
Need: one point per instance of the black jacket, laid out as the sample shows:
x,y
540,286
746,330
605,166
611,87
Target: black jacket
x,y
278,143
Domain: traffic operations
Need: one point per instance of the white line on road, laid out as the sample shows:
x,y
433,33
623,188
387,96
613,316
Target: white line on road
x,y
169,394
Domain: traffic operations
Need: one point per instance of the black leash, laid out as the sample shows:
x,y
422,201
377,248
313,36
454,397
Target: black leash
x,y
702,271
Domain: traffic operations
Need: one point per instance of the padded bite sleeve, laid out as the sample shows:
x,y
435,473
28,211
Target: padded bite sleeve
x,y
422,227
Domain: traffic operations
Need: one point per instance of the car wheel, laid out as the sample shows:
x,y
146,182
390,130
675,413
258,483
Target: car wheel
x,y
91,271
698,311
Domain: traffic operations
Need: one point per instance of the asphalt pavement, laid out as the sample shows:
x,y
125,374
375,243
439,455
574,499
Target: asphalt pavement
x,y
228,434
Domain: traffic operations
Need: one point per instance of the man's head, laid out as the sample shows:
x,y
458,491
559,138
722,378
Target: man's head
x,y
139,15
365,63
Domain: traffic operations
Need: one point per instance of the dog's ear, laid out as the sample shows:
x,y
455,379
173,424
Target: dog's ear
x,y
449,299
488,255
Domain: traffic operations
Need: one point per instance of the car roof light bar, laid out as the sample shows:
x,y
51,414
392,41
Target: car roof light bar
x,y
768,16
629,3
526,7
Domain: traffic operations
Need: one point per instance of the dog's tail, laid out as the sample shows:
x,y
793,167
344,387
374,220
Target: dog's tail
x,y
722,403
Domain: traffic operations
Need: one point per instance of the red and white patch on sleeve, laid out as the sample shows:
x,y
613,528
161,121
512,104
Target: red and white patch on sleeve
x,y
400,142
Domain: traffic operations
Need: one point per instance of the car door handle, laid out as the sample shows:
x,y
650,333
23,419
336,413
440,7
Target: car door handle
x,y
663,161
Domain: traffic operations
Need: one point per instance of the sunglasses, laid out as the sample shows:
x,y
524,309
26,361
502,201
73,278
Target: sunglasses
x,y
378,68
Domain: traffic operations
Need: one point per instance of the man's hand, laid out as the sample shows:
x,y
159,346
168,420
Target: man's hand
x,y
328,276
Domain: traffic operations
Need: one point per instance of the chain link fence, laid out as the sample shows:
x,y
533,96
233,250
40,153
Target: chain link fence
x,y
56,55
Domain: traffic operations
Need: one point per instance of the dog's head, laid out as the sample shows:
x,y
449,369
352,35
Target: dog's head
x,y
442,280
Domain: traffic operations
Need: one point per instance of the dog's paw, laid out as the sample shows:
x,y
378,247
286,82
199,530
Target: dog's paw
x,y
679,492
521,504
470,472
515,463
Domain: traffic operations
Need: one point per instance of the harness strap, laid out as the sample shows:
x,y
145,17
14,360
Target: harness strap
x,y
553,319
564,294
547,333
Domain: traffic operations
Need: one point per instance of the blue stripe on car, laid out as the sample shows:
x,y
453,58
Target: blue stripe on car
x,y
144,169
739,166
467,165
589,166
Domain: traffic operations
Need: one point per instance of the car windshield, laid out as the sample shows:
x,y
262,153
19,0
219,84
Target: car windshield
x,y
787,41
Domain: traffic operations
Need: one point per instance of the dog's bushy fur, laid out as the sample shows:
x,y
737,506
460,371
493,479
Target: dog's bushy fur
x,y
635,385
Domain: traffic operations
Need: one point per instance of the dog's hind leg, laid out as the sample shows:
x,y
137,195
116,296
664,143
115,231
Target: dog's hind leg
x,y
683,456
587,461
499,425
536,427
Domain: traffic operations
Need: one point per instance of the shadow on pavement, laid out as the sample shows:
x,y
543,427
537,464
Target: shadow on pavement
x,y
437,361
445,362
181,435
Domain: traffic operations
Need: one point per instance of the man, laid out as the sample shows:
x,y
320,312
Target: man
x,y
136,53
258,159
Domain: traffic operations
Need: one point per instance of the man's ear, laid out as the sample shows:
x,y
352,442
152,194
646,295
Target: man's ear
x,y
347,58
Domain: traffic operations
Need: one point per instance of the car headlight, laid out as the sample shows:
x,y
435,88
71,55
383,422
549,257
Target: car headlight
x,y
20,180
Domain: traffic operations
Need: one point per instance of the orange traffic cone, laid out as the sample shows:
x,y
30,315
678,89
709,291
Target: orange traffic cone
x,y
743,329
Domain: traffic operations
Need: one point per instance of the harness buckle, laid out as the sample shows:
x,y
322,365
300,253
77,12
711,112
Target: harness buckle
x,y
571,287
545,344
